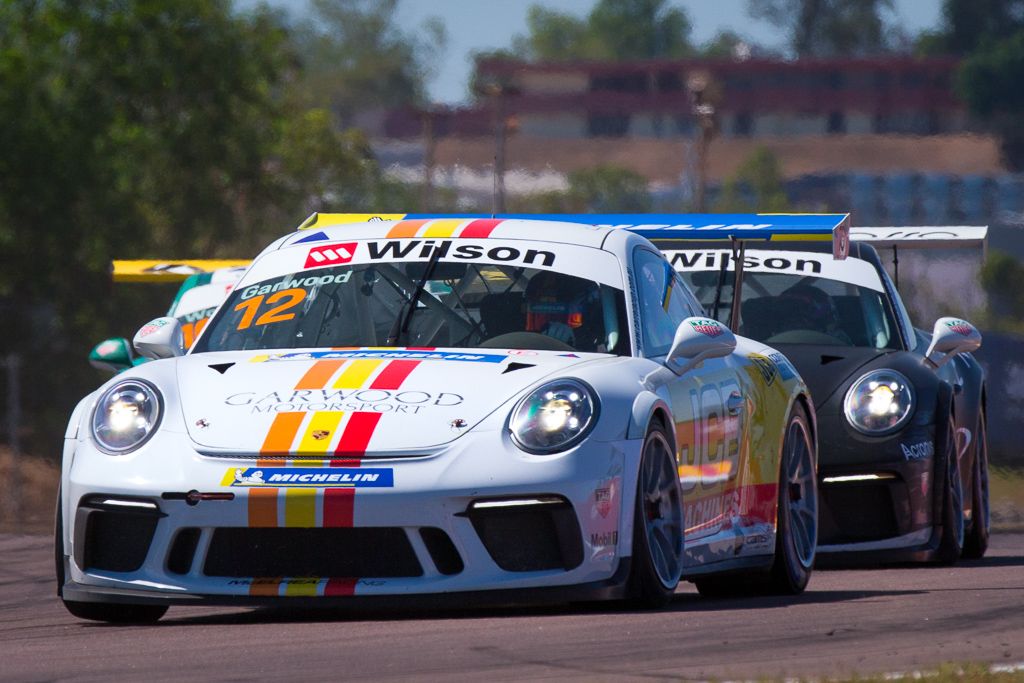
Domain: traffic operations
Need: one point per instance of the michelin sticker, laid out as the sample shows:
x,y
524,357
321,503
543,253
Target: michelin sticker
x,y
309,477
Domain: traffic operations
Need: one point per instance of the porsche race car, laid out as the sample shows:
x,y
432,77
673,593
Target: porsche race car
x,y
206,283
437,406
903,447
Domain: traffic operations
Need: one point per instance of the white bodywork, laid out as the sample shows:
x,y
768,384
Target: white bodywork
x,y
439,439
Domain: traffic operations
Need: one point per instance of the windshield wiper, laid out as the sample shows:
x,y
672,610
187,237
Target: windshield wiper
x,y
401,323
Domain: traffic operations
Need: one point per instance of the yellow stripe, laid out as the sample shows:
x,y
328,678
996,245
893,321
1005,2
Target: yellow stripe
x,y
151,270
321,422
443,228
300,508
356,373
301,587
323,220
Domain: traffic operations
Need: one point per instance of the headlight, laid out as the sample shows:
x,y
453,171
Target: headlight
x,y
879,402
126,415
554,417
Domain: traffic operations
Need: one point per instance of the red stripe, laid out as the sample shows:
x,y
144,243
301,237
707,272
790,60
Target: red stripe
x,y
356,436
481,228
340,587
393,374
338,507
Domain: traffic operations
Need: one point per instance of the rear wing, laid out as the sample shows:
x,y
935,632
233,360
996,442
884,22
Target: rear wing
x,y
659,227
169,270
923,237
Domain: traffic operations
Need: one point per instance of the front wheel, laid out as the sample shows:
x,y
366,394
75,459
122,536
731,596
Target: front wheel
x,y
657,524
976,542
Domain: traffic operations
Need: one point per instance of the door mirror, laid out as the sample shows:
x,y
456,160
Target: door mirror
x,y
160,338
114,355
951,336
696,340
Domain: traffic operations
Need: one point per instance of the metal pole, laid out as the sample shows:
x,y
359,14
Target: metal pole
x,y
12,501
499,151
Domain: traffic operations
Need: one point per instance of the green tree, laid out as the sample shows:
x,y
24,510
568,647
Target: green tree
x,y
141,128
970,24
1002,277
614,30
355,57
757,186
829,28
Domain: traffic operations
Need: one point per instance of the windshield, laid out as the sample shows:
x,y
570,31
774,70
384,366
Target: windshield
x,y
841,304
463,305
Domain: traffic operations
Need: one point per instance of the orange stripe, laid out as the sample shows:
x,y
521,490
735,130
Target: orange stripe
x,y
406,228
262,507
281,435
318,375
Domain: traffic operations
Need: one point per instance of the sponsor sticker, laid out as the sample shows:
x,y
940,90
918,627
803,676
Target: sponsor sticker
x,y
786,369
961,327
707,327
330,254
765,367
309,477
918,451
384,354
152,326
409,401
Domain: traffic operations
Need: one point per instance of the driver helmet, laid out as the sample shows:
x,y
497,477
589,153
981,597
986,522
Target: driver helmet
x,y
812,307
554,300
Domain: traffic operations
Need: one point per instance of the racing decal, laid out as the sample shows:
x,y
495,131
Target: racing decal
x,y
296,282
383,354
852,271
444,227
315,237
707,327
764,366
786,369
308,477
276,310
603,522
747,504
152,326
961,327
330,254
918,451
393,250
191,330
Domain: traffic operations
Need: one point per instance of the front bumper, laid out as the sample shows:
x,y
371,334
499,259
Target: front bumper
x,y
878,499
478,516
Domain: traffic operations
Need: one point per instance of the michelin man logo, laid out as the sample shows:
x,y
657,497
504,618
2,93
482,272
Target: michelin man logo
x,y
255,478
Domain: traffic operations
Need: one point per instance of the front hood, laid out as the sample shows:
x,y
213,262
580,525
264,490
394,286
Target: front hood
x,y
350,402
825,368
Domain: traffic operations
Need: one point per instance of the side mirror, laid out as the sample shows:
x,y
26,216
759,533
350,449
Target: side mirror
x,y
160,338
951,336
696,340
114,355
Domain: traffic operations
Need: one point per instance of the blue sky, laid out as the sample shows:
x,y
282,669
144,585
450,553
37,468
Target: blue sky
x,y
490,24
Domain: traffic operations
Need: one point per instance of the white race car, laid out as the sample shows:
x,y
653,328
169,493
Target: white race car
x,y
440,406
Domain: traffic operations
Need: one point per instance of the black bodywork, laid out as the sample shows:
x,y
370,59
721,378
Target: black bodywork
x,y
897,517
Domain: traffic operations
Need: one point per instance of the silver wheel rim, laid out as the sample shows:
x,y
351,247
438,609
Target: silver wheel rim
x,y
802,504
662,510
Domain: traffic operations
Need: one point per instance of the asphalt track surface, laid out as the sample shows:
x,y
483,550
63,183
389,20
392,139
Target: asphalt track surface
x,y
848,621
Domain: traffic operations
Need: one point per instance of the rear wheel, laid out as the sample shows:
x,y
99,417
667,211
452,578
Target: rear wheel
x,y
796,537
657,524
96,611
951,544
976,542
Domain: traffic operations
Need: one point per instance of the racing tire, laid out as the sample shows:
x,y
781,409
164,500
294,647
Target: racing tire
x,y
796,535
96,611
976,541
657,525
951,542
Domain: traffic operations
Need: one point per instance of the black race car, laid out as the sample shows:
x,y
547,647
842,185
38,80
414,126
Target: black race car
x,y
901,412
